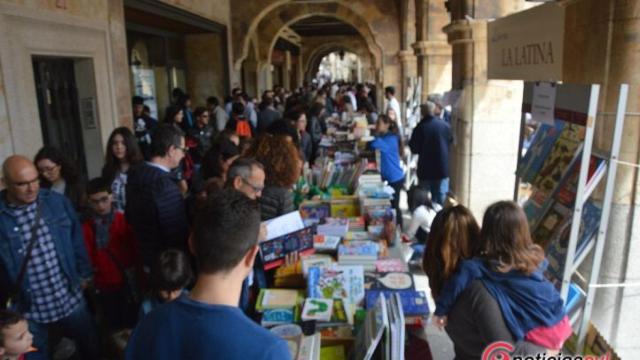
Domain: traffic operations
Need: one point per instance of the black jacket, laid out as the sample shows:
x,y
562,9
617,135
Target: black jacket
x,y
156,210
275,201
266,117
430,140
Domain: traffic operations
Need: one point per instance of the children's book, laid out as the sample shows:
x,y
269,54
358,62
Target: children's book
x,y
345,207
389,281
541,145
315,210
318,260
334,227
272,317
277,299
550,224
273,251
557,164
337,282
326,243
391,265
317,309
366,251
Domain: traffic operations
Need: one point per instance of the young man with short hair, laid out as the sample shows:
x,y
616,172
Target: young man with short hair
x,y
207,323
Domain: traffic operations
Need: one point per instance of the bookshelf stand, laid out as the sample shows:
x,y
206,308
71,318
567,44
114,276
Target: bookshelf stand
x,y
584,191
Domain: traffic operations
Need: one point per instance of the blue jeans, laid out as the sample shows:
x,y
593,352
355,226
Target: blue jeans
x,y
438,188
78,326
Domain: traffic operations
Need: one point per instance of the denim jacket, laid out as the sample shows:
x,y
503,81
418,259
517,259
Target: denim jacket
x,y
66,232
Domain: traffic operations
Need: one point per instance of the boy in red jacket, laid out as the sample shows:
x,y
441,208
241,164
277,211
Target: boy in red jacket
x,y
111,247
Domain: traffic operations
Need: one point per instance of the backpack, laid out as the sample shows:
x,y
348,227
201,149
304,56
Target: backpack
x,y
243,128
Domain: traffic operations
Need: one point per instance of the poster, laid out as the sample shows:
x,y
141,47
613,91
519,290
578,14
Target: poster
x,y
144,83
543,102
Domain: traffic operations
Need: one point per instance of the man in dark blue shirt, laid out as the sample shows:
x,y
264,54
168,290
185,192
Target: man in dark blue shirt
x,y
430,140
207,323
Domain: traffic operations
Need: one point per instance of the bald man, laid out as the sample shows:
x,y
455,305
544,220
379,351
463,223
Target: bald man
x,y
55,262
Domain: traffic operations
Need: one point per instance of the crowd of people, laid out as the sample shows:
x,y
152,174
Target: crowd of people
x,y
175,218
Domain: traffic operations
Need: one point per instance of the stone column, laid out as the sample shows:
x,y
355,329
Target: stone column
x,y
485,123
265,80
120,63
286,77
434,66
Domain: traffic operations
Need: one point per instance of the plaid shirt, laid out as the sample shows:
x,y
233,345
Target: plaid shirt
x,y
51,297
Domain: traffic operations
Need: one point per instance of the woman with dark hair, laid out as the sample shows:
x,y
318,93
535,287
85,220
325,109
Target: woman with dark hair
x,y
389,144
121,154
218,159
174,115
58,174
282,166
423,212
509,268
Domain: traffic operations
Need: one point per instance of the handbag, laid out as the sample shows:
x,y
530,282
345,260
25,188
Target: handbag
x,y
14,294
130,276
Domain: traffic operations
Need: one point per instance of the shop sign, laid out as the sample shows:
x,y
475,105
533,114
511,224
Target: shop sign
x,y
527,45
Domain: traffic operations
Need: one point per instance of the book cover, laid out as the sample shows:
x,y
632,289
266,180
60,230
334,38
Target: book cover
x,y
335,352
550,223
556,250
534,207
557,163
337,282
567,193
326,242
334,227
318,260
541,145
278,298
272,317
315,210
368,250
273,251
344,207
414,303
391,265
317,309
389,281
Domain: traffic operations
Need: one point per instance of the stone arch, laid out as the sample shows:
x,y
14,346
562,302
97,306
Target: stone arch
x,y
281,14
311,62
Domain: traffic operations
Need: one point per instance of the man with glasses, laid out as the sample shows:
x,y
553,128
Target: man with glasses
x,y
155,205
43,262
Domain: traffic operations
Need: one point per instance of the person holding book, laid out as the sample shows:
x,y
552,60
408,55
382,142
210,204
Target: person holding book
x,y
15,337
111,246
490,284
389,144
207,323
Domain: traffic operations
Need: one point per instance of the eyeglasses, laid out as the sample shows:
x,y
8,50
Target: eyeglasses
x,y
48,169
256,189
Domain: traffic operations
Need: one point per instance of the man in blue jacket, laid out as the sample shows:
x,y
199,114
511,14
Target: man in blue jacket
x,y
56,267
430,140
155,206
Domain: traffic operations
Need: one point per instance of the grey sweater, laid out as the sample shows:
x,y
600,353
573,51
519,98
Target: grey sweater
x,y
476,322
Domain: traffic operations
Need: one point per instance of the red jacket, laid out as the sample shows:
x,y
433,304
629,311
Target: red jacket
x,y
122,244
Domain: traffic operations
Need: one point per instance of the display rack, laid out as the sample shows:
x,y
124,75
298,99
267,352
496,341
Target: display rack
x,y
585,188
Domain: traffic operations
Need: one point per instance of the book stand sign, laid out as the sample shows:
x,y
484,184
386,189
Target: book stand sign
x,y
563,172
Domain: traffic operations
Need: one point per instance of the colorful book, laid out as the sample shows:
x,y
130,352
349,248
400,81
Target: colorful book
x,y
272,317
557,164
337,282
334,227
389,281
391,265
551,222
315,210
273,251
326,242
335,352
345,207
317,309
414,303
366,251
541,145
318,260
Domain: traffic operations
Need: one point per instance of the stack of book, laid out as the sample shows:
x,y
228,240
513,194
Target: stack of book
x,y
279,306
344,207
334,227
364,253
357,224
414,303
326,312
337,282
326,243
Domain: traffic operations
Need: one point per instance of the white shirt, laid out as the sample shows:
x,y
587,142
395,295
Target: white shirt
x,y
395,105
158,166
422,217
221,118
